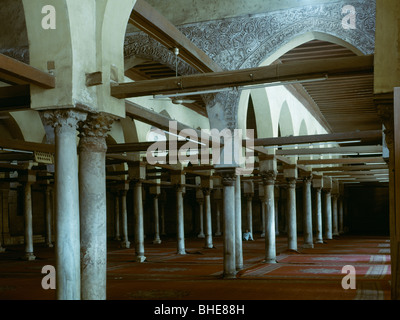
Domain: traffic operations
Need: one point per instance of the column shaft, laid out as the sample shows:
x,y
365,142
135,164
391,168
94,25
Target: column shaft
x,y
67,241
208,236
270,236
335,226
229,233
328,215
28,223
291,215
49,217
157,239
124,215
93,206
139,226
318,216
180,226
307,214
238,224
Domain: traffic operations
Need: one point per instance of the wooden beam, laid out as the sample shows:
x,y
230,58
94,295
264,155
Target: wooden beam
x,y
375,135
356,160
13,98
15,72
338,150
352,168
149,20
12,144
291,71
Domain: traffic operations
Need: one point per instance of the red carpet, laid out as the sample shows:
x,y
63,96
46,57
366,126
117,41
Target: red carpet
x,y
312,274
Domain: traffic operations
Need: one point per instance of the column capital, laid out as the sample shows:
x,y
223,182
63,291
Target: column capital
x,y
206,191
291,183
269,177
228,176
63,119
93,132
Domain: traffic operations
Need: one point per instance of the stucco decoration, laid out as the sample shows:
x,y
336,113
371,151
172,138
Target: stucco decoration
x,y
245,42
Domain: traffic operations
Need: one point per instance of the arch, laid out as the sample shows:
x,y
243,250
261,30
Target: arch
x,y
285,121
303,131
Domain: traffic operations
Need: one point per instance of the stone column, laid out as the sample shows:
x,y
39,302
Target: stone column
x,y
307,213
178,180
157,239
92,205
208,235
162,205
269,197
262,207
249,213
139,226
124,217
290,174
217,198
335,221
200,201
327,210
4,218
229,232
28,180
238,224
117,235
49,216
67,241
277,210
317,184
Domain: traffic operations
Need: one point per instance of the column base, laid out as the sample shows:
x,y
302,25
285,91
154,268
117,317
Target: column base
x,y
125,244
140,259
229,276
201,235
49,245
181,252
2,249
272,260
217,234
29,256
262,235
117,238
156,241
308,245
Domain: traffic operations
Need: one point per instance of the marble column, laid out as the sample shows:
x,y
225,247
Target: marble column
x,y
291,214
318,216
335,221
270,234
238,224
229,216
4,218
28,235
93,206
327,211
200,202
49,217
249,213
68,276
217,199
307,213
180,225
162,205
157,239
262,209
124,217
139,226
208,221
277,211
117,235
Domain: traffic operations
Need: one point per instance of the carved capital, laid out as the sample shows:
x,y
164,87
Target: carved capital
x,y
291,183
93,133
228,177
268,177
63,119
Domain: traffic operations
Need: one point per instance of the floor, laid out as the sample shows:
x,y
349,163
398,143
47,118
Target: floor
x,y
310,274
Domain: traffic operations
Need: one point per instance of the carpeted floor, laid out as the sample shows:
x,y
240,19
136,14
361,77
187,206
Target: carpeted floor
x,y
310,274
